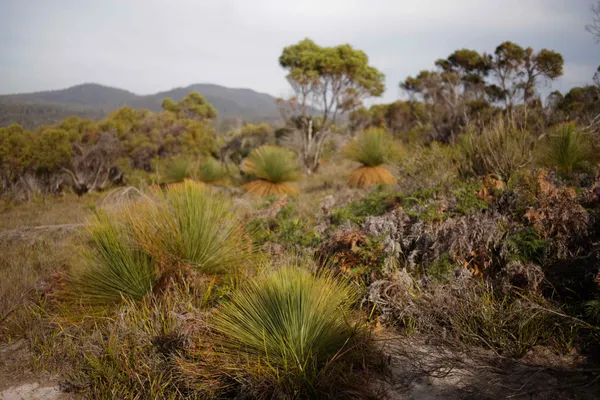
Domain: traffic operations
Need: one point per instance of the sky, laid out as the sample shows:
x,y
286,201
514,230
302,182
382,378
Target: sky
x,y
147,46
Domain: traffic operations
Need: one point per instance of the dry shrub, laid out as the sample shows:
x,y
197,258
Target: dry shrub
x,y
554,212
470,239
500,148
427,167
471,312
372,148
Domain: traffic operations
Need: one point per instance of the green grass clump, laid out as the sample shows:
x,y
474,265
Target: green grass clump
x,y
191,224
294,324
115,267
211,171
161,237
372,148
567,148
271,170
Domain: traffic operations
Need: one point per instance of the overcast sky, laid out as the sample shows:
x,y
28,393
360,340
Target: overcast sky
x,y
147,46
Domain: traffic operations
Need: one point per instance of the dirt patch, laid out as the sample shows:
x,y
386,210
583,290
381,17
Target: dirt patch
x,y
427,371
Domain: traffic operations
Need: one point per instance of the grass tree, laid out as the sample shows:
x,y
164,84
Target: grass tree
x,y
273,169
166,234
567,148
211,171
372,148
293,325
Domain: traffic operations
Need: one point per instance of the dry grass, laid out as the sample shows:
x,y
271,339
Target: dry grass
x,y
369,176
264,188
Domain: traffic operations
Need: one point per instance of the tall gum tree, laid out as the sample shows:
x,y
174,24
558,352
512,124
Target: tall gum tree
x,y
327,82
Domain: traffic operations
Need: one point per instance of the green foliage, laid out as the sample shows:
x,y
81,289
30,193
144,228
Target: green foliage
x,y
526,245
376,202
467,200
193,106
441,269
272,164
179,169
191,224
569,149
211,171
286,228
371,148
115,267
295,324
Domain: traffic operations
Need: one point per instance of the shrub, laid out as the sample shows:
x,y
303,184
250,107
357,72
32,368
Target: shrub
x,y
376,202
500,148
427,167
292,323
178,170
272,170
567,148
372,149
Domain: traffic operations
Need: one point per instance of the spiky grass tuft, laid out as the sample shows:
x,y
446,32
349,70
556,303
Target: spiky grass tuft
x,y
372,149
114,266
568,148
273,169
293,324
211,171
159,238
189,224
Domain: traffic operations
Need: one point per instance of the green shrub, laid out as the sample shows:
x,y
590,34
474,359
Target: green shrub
x,y
376,202
567,148
294,324
526,245
178,170
286,228
160,237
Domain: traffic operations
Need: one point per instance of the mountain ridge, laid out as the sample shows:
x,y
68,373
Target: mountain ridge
x,y
93,100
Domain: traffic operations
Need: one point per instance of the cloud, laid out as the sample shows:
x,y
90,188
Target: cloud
x,y
151,45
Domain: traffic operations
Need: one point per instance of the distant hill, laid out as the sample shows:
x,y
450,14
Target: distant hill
x,y
94,101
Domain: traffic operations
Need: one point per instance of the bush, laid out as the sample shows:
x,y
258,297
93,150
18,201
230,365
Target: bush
x,y
427,167
500,148
567,148
179,169
271,169
293,324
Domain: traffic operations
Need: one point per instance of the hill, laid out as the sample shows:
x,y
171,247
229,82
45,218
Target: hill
x,y
95,101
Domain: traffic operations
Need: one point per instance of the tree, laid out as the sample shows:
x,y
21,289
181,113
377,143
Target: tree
x,y
594,26
193,106
327,82
518,71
